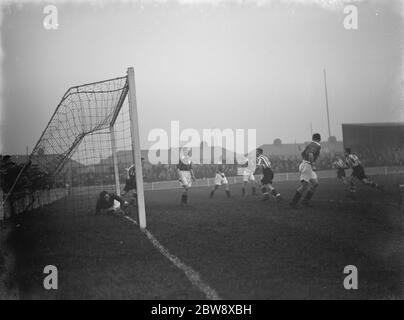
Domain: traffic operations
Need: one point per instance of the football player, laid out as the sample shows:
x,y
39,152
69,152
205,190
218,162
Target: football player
x,y
358,171
340,165
308,177
105,203
220,180
268,175
185,174
248,176
130,182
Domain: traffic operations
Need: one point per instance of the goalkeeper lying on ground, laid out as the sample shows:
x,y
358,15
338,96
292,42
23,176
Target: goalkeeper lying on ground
x,y
105,203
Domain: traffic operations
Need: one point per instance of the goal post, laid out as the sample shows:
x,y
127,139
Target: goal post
x,y
136,149
91,137
1,206
115,160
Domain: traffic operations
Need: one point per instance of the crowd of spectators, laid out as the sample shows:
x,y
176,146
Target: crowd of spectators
x,y
30,177
34,179
389,156
163,172
385,156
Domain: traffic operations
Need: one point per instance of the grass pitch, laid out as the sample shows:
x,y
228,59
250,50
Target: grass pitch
x,y
241,247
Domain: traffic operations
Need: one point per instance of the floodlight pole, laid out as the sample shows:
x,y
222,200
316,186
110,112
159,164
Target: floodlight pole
x,y
326,103
115,160
1,206
134,129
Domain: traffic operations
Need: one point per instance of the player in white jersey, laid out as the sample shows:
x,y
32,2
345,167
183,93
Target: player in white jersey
x,y
185,174
268,175
220,180
247,172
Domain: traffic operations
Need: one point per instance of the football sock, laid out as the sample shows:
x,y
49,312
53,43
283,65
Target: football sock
x,y
297,197
228,193
254,191
308,196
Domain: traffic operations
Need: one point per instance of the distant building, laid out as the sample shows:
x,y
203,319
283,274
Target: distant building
x,y
373,135
376,143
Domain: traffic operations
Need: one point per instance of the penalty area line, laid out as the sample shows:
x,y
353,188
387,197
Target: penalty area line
x,y
190,273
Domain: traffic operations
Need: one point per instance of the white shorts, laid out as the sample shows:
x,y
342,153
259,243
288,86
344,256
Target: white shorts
x,y
220,179
306,172
248,175
185,179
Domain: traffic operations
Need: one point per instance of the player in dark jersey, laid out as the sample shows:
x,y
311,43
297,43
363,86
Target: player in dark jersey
x,y
358,171
268,176
130,183
220,180
185,174
105,203
308,177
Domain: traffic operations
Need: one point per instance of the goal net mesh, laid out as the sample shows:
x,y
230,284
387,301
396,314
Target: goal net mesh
x,y
75,150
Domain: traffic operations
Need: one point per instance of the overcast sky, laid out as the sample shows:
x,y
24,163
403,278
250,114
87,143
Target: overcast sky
x,y
207,65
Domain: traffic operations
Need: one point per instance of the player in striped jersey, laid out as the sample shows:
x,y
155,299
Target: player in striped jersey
x,y
341,165
220,180
358,171
308,177
268,176
185,174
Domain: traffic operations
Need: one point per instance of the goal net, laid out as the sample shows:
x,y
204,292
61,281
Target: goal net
x,y
89,142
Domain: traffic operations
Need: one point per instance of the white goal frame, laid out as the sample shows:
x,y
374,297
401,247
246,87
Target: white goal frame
x,y
136,149
129,93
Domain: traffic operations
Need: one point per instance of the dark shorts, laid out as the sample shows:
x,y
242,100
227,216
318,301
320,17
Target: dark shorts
x,y
268,176
130,184
358,172
340,173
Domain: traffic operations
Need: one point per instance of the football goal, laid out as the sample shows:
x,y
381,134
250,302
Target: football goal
x,y
89,142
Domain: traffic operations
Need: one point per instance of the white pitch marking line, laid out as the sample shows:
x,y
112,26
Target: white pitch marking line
x,y
190,273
